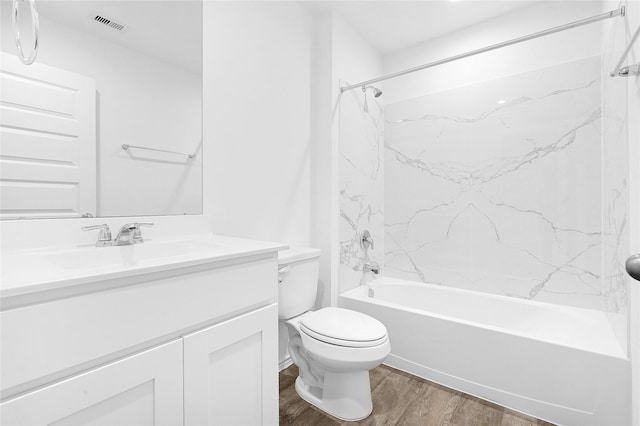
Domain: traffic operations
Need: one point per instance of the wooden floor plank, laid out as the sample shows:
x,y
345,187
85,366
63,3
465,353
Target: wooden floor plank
x,y
314,417
401,399
476,412
292,406
392,396
377,375
434,407
286,381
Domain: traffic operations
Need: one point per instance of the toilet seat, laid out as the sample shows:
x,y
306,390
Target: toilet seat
x,y
344,327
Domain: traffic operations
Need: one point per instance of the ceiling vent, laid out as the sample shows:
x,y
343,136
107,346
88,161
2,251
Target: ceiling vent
x,y
108,22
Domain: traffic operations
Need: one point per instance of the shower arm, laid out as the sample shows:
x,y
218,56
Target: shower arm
x,y
596,18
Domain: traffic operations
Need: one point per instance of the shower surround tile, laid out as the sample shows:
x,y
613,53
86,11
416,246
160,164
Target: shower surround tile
x,y
615,194
496,187
361,171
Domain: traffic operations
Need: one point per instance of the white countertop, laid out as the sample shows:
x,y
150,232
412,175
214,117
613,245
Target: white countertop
x,y
29,271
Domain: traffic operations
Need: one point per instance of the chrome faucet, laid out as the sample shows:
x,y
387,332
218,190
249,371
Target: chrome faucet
x,y
366,240
104,235
130,234
371,267
374,268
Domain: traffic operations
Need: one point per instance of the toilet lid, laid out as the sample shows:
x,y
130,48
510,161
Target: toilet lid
x,y
344,327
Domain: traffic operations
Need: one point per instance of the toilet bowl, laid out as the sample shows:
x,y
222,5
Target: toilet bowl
x,y
334,348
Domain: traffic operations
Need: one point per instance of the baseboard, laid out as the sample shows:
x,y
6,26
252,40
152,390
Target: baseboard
x,y
285,364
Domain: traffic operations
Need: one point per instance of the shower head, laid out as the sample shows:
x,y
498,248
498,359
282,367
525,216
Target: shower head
x,y
376,92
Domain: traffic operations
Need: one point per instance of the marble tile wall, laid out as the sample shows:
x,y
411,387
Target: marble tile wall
x,y
494,187
615,185
361,183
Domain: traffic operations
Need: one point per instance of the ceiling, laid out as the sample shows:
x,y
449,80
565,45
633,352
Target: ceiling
x,y
173,32
167,30
393,25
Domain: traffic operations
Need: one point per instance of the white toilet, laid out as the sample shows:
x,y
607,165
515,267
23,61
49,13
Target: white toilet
x,y
333,348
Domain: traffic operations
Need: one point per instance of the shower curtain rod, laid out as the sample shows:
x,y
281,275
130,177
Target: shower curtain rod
x,y
602,16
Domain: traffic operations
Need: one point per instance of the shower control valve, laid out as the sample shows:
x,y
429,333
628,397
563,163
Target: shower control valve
x,y
366,240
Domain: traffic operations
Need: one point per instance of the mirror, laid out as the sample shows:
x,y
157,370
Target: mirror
x,y
108,120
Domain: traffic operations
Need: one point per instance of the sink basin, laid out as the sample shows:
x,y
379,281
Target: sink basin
x,y
33,275
130,255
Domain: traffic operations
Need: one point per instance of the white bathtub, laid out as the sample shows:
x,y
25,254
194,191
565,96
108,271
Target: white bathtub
x,y
557,363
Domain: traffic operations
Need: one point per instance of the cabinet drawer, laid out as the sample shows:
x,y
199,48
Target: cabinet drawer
x,y
144,389
49,341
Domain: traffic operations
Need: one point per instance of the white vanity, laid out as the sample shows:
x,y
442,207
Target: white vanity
x,y
169,332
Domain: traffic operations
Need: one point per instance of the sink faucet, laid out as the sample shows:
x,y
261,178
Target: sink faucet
x,y
130,234
104,234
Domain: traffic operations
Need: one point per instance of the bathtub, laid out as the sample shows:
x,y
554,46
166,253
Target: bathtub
x,y
557,363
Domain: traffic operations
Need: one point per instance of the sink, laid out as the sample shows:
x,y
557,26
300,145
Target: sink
x,y
131,255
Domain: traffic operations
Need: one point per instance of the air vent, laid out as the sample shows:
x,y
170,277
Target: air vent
x,y
108,22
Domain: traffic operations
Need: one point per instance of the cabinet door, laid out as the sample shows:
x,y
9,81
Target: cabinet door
x,y
144,389
231,371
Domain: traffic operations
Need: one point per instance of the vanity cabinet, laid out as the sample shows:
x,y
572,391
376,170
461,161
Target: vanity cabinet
x,y
228,372
195,345
143,389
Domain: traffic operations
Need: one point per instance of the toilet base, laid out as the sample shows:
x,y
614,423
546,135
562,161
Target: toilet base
x,y
346,396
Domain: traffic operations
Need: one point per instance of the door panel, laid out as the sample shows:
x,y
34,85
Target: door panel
x,y
47,141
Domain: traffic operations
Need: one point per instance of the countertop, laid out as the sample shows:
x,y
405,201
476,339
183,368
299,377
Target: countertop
x,y
29,271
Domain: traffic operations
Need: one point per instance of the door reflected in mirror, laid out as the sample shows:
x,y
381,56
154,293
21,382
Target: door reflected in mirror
x,y
108,120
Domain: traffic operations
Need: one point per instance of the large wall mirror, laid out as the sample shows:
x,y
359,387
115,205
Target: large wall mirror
x,y
108,120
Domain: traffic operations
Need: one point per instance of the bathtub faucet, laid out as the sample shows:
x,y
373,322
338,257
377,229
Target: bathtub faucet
x,y
371,267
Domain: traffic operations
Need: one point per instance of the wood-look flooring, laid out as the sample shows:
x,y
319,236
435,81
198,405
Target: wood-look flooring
x,y
400,398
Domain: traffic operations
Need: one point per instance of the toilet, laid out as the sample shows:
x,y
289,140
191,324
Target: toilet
x,y
334,348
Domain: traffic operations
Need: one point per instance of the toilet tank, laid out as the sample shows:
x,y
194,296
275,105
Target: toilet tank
x,y
298,280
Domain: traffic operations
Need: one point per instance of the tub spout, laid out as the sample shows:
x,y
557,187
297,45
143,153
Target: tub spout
x,y
371,267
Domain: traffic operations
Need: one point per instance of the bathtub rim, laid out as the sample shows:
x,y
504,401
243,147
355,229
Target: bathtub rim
x,y
360,293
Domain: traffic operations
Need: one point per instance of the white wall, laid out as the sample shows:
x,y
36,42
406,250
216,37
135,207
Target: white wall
x,y
257,119
257,128
626,319
271,77
360,153
272,72
633,92
554,49
324,165
140,101
339,53
616,183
